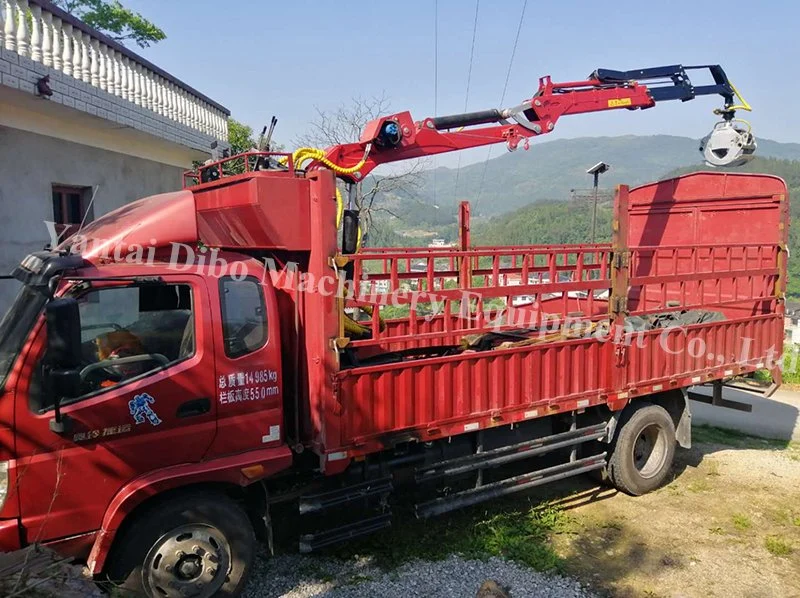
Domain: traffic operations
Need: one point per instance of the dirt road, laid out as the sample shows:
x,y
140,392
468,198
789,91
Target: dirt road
x,y
728,525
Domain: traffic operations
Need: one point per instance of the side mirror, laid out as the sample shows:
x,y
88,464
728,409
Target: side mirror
x,y
63,334
63,357
64,384
350,232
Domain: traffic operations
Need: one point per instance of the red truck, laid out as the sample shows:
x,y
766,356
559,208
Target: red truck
x,y
187,361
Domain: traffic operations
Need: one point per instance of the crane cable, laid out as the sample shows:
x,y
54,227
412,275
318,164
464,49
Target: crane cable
x,y
469,80
503,98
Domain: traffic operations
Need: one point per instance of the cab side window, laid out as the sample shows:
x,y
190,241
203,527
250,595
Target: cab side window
x,y
126,333
244,316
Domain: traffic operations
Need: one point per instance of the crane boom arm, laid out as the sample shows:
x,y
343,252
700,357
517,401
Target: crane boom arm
x,y
398,137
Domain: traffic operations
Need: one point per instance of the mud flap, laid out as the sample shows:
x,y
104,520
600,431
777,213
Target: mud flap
x,y
679,411
683,431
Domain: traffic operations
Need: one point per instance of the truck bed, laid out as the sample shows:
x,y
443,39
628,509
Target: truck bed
x,y
463,358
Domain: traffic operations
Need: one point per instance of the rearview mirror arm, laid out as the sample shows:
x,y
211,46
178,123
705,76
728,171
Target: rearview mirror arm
x,y
59,423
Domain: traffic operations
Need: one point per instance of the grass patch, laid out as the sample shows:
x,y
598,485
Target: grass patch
x,y
699,486
779,515
741,522
514,530
359,579
713,435
762,376
777,546
791,359
713,469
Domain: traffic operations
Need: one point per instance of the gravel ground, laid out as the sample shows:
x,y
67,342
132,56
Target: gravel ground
x,y
297,576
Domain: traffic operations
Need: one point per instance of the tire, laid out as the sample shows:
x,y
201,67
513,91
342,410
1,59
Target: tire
x,y
643,451
201,544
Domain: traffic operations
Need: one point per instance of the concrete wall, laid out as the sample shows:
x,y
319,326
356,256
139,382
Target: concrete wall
x,y
31,163
77,100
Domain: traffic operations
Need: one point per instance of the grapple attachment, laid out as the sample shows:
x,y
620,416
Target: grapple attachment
x,y
730,143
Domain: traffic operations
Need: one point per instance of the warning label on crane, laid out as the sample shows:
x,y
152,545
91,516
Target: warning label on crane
x,y
616,103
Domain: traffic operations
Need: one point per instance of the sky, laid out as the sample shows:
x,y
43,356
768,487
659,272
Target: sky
x,y
261,58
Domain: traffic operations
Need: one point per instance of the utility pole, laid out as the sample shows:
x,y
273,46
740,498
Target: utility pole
x,y
596,171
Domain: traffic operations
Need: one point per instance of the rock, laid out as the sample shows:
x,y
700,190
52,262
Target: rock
x,y
492,589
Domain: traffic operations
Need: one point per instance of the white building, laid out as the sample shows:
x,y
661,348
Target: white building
x,y
116,127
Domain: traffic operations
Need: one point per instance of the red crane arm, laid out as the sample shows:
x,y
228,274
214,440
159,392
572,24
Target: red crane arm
x,y
399,137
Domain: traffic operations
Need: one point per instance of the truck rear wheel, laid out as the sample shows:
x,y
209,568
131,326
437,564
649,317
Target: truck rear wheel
x,y
642,453
198,545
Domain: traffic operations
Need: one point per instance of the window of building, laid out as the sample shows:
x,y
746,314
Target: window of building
x,y
244,316
70,205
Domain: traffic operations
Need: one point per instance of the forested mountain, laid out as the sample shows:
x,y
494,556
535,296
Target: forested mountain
x,y
549,170
524,197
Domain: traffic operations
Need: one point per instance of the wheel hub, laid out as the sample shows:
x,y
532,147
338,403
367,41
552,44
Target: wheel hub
x,y
649,451
189,567
192,560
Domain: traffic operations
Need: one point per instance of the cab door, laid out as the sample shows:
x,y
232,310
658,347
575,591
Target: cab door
x,y
135,414
249,381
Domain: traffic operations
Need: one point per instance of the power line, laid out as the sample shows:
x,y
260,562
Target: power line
x,y
502,98
472,52
469,80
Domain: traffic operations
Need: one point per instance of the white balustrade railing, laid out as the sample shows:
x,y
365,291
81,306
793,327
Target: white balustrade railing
x,y
38,30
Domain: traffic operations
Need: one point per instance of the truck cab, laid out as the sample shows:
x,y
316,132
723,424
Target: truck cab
x,y
174,365
143,379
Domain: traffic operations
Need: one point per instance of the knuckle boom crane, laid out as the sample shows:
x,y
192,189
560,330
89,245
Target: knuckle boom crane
x,y
399,137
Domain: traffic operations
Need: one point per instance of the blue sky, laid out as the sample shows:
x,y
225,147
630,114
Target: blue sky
x,y
285,58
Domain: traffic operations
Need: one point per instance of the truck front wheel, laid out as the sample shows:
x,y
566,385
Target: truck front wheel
x,y
198,545
642,453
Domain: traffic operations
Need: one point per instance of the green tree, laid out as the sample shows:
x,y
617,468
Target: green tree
x,y
113,19
240,136
344,125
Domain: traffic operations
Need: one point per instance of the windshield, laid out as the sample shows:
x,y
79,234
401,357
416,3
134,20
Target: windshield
x,y
15,327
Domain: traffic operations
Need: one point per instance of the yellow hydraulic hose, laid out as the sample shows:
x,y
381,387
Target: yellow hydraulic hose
x,y
353,327
304,154
744,105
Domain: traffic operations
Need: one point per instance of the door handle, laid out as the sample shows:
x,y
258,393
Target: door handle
x,y
194,407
